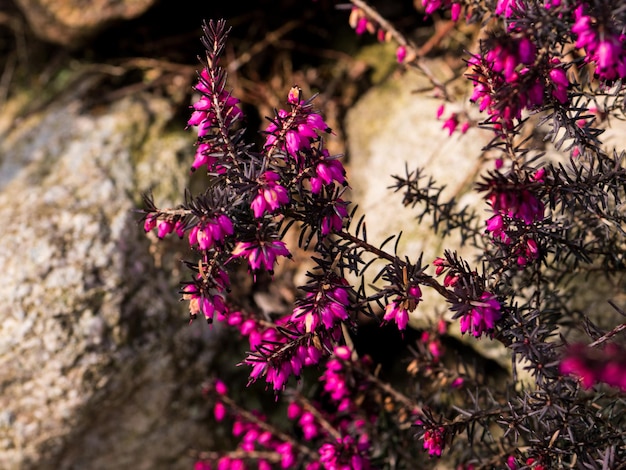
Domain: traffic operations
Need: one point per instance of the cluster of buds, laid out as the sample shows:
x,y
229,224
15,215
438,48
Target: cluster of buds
x,y
603,41
433,436
509,78
515,210
477,309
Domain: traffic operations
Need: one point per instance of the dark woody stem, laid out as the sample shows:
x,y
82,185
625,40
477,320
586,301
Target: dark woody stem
x,y
424,279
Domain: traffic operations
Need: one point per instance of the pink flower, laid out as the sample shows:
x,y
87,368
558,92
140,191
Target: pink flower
x,y
326,171
210,231
451,123
560,84
299,128
293,410
202,465
398,310
271,195
220,387
607,365
261,253
434,441
219,411
210,303
334,216
401,54
288,458
326,307
394,312
455,11
430,6
483,316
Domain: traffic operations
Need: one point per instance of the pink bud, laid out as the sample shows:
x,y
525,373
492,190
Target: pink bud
x,y
219,411
220,387
343,352
401,54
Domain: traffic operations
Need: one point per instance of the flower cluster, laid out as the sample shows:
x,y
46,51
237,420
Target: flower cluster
x,y
326,307
355,408
282,353
603,41
483,316
451,123
515,209
478,309
398,309
603,365
509,78
295,131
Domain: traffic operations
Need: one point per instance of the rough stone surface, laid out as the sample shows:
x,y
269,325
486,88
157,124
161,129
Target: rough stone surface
x,y
68,22
98,367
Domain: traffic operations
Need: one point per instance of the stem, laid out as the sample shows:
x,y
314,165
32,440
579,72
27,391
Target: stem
x,y
424,280
611,333
406,401
416,53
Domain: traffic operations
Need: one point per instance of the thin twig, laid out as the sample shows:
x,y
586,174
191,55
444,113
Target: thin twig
x,y
414,56
611,333
271,38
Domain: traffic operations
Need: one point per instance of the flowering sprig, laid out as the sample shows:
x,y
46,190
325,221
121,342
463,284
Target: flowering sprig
x,y
547,222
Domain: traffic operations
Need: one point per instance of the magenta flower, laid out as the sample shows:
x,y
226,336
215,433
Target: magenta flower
x,y
451,123
483,316
210,304
150,222
606,365
559,83
296,129
261,253
203,158
333,218
344,454
326,171
431,6
507,8
219,411
401,54
398,310
271,195
434,441
517,204
326,307
603,44
210,231
204,116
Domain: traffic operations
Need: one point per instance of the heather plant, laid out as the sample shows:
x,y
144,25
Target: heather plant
x,y
554,219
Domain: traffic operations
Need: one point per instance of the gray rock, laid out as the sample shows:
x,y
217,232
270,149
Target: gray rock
x,y
98,366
